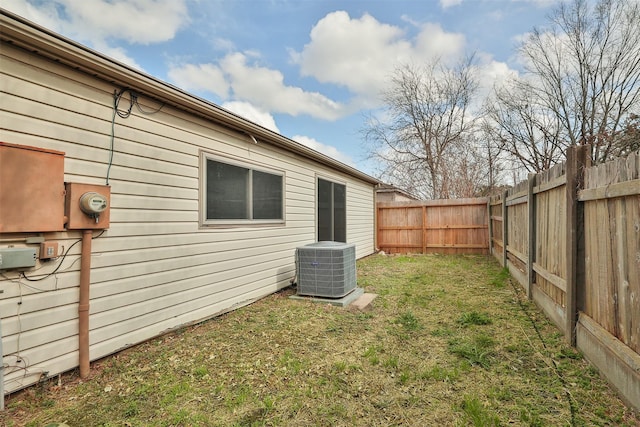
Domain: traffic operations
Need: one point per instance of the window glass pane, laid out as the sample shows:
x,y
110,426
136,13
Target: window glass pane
x,y
325,227
339,213
227,190
267,195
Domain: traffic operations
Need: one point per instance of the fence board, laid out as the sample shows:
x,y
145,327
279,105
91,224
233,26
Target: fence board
x,y
551,244
518,231
442,226
495,226
633,272
611,198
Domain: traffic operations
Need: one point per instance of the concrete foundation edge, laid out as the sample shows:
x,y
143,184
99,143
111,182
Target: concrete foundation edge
x,y
340,302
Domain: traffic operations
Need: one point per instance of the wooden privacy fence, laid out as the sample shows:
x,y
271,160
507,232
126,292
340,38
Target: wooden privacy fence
x,y
433,226
571,237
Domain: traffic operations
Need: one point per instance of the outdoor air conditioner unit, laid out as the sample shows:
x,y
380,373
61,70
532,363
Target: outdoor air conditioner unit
x,y
326,269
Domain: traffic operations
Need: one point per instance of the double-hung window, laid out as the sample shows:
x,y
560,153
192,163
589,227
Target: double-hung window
x,y
240,194
332,211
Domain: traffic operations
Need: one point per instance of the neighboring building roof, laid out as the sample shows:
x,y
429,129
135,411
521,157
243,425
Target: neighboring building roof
x,y
32,37
388,188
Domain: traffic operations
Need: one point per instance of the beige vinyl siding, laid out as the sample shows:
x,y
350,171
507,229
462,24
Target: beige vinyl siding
x,y
360,218
155,268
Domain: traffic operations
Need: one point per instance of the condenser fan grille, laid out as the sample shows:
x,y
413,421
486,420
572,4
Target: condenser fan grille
x,y
326,269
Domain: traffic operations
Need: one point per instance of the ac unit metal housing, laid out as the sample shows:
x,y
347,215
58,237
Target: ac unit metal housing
x,y
326,269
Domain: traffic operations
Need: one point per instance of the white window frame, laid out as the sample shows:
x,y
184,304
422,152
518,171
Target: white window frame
x,y
251,166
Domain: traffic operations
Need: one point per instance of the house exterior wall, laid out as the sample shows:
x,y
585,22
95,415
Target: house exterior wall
x,y
155,268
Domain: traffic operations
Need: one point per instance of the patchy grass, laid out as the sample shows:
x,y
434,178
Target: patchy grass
x,y
474,318
447,342
477,350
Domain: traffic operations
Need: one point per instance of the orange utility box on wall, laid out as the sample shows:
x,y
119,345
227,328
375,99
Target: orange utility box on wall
x,y
31,189
80,197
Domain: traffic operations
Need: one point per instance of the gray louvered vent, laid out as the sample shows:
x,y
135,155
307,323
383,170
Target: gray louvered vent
x,y
326,269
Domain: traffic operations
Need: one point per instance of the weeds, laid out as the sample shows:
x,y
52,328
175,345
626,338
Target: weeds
x,y
500,279
477,350
391,363
438,373
474,318
372,354
408,321
478,414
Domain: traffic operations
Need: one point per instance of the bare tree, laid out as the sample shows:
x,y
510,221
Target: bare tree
x,y
494,157
426,122
586,70
471,170
519,126
628,139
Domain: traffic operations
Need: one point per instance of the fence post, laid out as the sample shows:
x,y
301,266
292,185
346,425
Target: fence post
x,y
531,255
576,162
490,226
376,223
505,229
424,229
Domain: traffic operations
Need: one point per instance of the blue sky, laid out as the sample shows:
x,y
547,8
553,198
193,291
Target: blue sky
x,y
311,70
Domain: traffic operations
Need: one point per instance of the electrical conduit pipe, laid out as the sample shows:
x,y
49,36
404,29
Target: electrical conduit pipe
x,y
83,306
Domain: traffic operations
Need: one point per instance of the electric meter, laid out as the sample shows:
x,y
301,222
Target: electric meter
x,y
86,206
93,204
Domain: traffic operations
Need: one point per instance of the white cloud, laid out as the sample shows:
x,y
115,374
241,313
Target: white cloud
x,y
356,53
117,53
539,3
223,44
361,53
97,22
250,112
265,88
200,77
45,14
328,150
434,42
445,4
136,21
235,78
492,72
